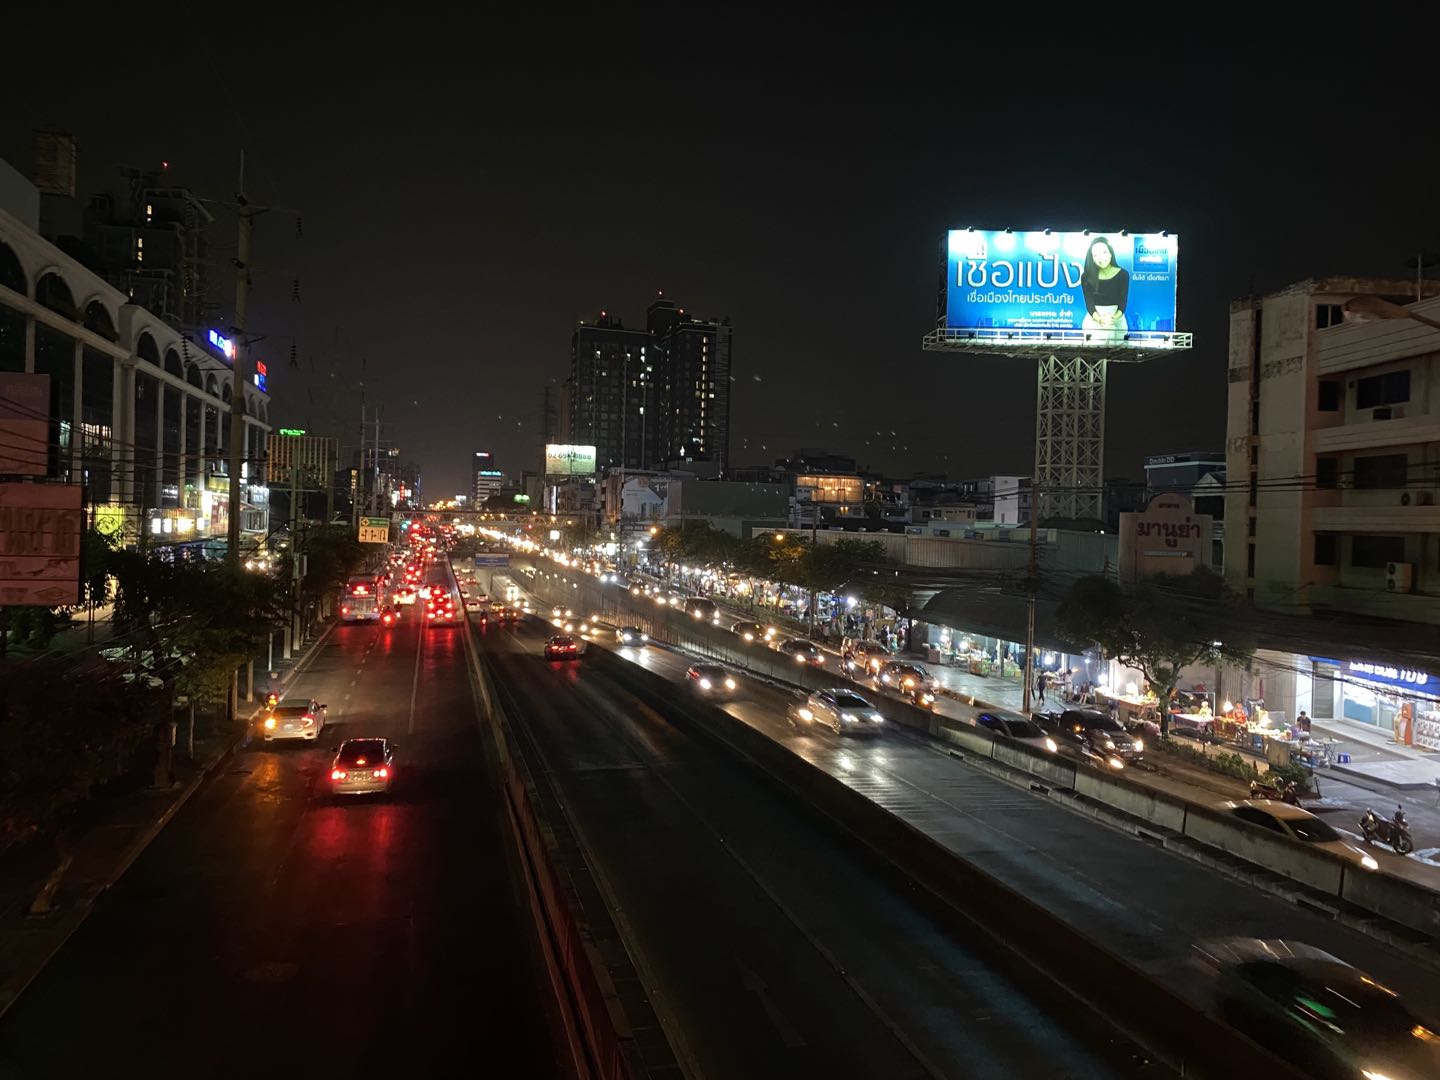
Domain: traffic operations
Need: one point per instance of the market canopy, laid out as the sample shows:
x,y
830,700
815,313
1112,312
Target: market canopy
x,y
990,612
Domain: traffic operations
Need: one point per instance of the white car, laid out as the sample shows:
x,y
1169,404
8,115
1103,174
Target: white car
x,y
299,719
842,711
1299,825
1018,728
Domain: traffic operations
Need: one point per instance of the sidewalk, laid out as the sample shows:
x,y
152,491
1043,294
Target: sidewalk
x,y
107,834
1375,757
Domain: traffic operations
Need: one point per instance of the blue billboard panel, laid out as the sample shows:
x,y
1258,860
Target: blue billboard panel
x,y
1100,286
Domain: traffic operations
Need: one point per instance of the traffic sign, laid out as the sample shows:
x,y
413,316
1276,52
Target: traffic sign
x,y
374,530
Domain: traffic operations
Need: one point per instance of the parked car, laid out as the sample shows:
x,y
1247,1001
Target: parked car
x,y
714,679
1300,825
802,651
1317,1012
1012,725
1093,732
842,711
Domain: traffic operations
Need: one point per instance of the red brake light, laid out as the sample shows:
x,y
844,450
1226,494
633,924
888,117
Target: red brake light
x,y
345,609
337,774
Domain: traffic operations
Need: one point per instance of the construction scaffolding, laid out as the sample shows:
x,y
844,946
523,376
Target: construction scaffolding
x,y
1070,438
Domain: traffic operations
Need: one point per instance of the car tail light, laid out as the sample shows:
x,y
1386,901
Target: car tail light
x,y
345,609
387,620
338,774
381,774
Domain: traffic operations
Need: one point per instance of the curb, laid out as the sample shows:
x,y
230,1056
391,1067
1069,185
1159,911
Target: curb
x,y
86,903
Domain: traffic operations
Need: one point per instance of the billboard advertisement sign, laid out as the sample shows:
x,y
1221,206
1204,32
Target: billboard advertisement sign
x,y
1098,287
40,530
562,459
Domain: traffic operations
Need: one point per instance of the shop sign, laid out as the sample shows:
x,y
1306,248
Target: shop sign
x,y
40,530
1393,676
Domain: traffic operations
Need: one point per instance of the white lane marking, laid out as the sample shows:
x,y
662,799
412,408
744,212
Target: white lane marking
x,y
415,686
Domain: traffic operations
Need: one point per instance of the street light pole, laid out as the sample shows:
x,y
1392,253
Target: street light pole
x,y
1029,675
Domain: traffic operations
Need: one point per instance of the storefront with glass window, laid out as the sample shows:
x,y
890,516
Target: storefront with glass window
x,y
1404,702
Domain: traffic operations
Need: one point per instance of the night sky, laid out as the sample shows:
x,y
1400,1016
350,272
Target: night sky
x,y
468,195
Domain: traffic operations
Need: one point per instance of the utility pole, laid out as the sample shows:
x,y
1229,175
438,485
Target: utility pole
x,y
359,486
237,369
295,545
814,545
1029,675
375,502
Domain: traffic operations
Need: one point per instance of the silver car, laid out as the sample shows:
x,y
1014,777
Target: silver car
x,y
363,767
842,711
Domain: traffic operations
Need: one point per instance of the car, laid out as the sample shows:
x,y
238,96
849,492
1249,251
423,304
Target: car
x,y
561,647
802,651
843,711
702,609
748,631
903,675
1296,823
1094,733
301,718
713,679
510,613
862,656
425,592
1312,1009
471,604
440,610
363,767
631,635
1021,729
405,595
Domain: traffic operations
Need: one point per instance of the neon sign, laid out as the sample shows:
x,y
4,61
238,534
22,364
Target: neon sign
x,y
261,372
224,344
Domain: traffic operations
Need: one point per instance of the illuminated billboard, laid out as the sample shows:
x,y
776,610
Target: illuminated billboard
x,y
562,459
1085,288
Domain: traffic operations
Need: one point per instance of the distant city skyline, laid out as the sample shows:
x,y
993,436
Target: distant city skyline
x,y
447,288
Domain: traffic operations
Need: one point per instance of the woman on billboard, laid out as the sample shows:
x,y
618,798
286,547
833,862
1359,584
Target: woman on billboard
x,y
1106,287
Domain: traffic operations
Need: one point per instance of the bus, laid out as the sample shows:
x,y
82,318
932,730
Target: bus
x,y
361,602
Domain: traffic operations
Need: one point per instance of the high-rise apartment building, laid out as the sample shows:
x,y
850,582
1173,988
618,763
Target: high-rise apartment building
x,y
612,393
643,397
694,360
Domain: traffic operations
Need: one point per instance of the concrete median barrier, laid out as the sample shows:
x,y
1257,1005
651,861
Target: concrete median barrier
x,y
1131,798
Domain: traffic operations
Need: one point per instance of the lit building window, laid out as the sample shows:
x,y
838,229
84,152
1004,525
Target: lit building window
x,y
139,249
149,211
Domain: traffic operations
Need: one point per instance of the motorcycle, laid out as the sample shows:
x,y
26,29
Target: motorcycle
x,y
1395,832
271,700
1284,791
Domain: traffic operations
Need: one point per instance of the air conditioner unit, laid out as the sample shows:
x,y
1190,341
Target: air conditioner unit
x,y
1399,577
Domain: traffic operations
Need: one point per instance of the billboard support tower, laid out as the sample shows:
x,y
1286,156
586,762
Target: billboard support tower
x,y
1075,302
1069,439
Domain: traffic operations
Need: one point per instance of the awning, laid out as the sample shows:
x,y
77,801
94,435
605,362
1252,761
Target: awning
x,y
992,613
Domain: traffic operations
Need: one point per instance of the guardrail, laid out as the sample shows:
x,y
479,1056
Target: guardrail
x,y
1393,898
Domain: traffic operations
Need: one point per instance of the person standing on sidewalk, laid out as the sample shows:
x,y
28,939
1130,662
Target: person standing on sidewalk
x,y
1303,722
1041,681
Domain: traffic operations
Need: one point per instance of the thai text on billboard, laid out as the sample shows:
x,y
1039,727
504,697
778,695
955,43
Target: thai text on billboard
x,y
1107,284
40,529
562,459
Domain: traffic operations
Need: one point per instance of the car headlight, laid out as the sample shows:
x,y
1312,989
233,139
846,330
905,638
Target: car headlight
x,y
749,636
799,658
1139,745
1116,763
1108,744
849,718
805,714
644,637
1050,745
876,718
1369,863
729,684
270,723
704,684
928,699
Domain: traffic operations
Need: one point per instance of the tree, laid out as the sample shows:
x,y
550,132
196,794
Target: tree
x,y
1163,625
